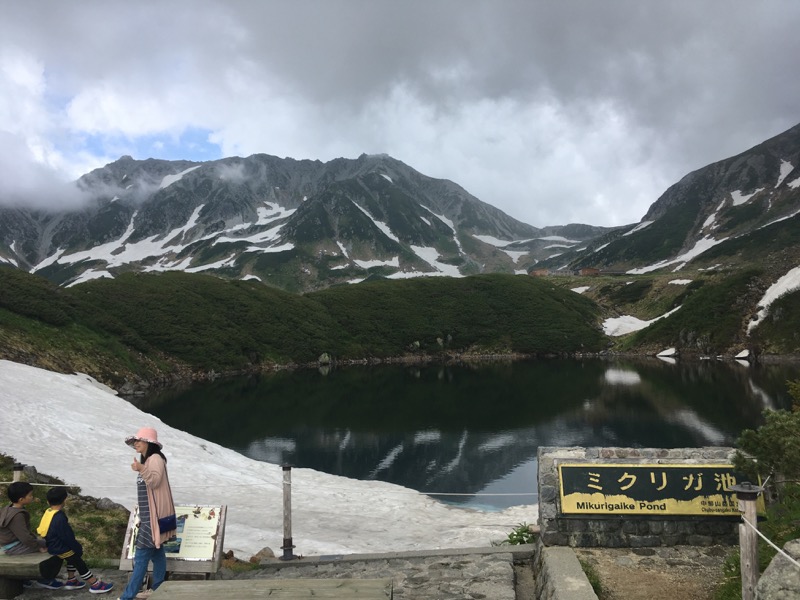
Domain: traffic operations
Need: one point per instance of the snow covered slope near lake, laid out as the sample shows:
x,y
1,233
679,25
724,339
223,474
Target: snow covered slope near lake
x,y
73,428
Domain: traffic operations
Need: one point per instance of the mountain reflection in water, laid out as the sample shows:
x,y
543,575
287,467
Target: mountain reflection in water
x,y
475,429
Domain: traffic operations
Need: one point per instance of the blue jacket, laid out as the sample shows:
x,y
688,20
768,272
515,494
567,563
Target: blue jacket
x,y
60,538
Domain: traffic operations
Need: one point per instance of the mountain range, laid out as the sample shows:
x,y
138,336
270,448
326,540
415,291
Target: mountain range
x,y
298,225
738,211
302,225
722,244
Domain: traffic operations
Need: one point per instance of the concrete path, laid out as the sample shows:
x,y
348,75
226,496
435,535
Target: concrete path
x,y
454,574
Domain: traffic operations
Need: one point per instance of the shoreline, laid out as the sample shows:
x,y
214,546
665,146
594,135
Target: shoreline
x,y
131,391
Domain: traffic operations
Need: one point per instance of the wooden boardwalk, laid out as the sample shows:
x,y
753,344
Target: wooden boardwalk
x,y
297,589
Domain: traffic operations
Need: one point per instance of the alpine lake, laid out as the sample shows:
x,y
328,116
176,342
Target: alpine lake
x,y
469,434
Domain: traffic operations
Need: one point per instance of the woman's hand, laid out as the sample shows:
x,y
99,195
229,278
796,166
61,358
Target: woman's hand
x,y
136,465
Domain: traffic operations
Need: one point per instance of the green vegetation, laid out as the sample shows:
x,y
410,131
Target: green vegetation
x,y
521,534
660,241
594,578
100,532
630,292
781,525
708,321
774,248
779,333
482,314
771,452
150,325
33,297
209,323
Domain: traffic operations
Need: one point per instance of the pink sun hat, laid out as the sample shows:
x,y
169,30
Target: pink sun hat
x,y
145,434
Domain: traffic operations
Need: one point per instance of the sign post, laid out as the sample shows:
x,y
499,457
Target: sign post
x,y
287,514
748,538
197,547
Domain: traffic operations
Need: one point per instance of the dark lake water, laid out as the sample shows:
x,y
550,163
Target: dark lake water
x,y
469,434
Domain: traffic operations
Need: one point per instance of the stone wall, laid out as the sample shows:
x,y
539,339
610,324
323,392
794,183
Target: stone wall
x,y
781,579
559,575
615,531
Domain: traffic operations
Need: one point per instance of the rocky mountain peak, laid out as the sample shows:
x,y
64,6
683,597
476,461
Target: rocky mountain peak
x,y
295,224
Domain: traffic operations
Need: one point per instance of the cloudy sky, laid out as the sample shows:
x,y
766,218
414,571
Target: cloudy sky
x,y
553,111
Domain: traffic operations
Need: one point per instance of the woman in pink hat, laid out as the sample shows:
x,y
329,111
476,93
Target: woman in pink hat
x,y
155,504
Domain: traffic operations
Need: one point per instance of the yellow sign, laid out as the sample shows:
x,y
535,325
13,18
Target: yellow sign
x,y
650,489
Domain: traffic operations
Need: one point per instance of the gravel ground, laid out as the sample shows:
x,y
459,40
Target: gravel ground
x,y
670,573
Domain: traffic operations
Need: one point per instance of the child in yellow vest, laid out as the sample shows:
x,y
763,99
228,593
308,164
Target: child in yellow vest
x,y
61,542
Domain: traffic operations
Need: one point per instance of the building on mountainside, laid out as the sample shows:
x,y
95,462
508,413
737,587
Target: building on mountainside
x,y
539,272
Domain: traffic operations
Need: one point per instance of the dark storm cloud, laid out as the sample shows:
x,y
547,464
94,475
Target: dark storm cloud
x,y
553,111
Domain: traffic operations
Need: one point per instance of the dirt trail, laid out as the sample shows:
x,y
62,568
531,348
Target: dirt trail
x,y
681,572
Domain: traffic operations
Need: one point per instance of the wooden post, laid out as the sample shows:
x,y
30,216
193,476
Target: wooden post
x,y
747,494
287,514
18,467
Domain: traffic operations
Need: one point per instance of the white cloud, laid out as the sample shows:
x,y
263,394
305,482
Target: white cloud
x,y
562,113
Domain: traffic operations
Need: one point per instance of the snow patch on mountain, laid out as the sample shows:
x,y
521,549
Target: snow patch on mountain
x,y
557,238
263,237
369,264
384,228
450,224
786,168
432,256
119,252
639,227
90,274
700,246
493,241
617,326
739,198
790,282
711,220
515,256
170,179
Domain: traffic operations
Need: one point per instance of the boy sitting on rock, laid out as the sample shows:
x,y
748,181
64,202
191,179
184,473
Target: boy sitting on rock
x,y
61,542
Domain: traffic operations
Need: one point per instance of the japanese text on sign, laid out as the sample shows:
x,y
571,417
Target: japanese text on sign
x,y
649,489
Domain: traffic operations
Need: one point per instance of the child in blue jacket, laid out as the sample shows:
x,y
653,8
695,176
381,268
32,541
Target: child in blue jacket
x,y
61,542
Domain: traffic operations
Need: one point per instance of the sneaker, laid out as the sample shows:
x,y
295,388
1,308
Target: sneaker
x,y
74,584
144,594
100,587
50,584
27,583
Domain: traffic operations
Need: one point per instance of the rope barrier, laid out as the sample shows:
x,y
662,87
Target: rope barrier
x,y
255,485
763,537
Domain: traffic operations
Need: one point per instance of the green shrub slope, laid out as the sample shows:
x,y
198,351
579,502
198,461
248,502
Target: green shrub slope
x,y
149,325
486,314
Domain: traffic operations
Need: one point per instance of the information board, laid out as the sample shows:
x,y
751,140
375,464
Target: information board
x,y
650,489
198,539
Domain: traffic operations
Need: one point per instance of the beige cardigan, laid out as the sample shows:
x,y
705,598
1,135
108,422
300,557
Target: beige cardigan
x,y
159,496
